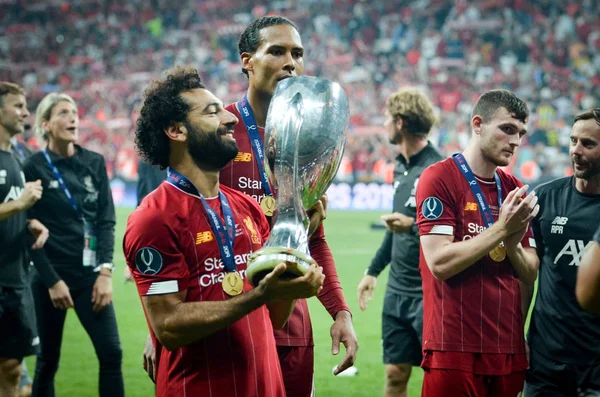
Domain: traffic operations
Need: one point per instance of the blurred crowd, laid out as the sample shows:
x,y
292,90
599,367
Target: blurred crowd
x,y
103,52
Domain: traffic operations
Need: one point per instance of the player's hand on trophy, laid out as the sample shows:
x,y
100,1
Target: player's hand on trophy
x,y
31,194
397,222
365,291
303,287
317,214
516,212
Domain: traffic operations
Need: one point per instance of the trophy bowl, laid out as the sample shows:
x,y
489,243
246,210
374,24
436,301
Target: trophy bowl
x,y
305,135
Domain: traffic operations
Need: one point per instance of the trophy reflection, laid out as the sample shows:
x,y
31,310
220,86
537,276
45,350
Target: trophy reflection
x,y
305,135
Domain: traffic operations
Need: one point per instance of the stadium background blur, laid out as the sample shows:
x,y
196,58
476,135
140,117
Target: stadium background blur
x,y
103,53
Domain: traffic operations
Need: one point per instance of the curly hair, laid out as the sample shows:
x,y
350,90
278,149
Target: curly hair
x,y
415,110
488,103
163,106
250,39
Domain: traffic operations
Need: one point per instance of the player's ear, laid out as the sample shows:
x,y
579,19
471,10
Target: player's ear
x,y
399,122
246,59
476,122
177,132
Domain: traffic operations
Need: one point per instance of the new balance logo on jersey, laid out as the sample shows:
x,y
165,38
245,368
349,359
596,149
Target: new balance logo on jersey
x,y
53,184
558,224
244,157
573,249
204,237
470,206
3,175
14,193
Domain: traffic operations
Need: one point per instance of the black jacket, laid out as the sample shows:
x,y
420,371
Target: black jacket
x,y
85,176
149,177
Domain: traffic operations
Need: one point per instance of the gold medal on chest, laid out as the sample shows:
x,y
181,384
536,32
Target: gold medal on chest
x,y
232,284
268,205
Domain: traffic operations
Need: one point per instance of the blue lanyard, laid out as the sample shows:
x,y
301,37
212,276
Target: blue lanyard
x,y
462,165
255,141
225,236
63,185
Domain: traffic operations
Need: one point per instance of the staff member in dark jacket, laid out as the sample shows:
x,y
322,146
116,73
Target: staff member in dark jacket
x,y
78,210
409,117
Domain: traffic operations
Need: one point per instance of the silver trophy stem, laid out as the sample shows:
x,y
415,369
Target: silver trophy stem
x,y
304,142
289,218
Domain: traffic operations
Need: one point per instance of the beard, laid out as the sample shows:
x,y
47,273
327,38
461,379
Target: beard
x,y
209,150
591,167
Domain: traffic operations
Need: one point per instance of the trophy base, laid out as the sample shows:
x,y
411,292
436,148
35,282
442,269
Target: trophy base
x,y
263,261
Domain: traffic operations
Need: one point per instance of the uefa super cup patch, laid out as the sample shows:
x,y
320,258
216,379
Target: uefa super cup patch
x,y
148,261
432,208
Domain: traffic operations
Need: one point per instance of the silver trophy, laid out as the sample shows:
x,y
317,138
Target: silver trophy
x,y
304,142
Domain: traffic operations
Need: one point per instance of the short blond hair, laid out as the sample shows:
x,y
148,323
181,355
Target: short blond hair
x,y
414,108
44,110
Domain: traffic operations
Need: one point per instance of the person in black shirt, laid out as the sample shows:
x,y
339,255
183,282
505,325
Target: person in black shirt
x,y
588,277
78,210
149,177
17,329
22,152
564,340
409,118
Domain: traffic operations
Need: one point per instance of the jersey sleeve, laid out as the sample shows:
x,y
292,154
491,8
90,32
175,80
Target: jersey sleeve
x,y
152,253
436,207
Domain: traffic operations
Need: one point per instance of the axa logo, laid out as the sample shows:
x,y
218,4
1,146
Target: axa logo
x,y
572,250
13,194
204,237
243,157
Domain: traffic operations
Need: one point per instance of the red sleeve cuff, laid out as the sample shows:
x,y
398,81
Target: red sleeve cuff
x,y
334,301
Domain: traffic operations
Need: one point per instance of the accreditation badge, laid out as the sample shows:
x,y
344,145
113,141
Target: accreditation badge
x,y
89,244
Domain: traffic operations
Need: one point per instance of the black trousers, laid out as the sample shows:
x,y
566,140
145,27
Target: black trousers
x,y
101,327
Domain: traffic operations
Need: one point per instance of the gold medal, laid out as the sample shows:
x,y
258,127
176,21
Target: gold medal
x,y
498,254
268,205
232,284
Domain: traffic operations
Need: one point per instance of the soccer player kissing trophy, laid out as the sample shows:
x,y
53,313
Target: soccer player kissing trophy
x,y
305,135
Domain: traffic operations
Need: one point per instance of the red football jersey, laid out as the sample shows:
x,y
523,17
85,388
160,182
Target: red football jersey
x,y
170,247
479,309
242,174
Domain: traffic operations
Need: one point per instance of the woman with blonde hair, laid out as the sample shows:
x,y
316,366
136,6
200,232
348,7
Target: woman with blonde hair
x,y
78,210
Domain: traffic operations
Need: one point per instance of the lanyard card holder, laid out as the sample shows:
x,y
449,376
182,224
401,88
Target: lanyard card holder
x,y
89,244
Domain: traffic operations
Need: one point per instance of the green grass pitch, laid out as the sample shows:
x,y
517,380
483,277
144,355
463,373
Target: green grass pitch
x,y
353,244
